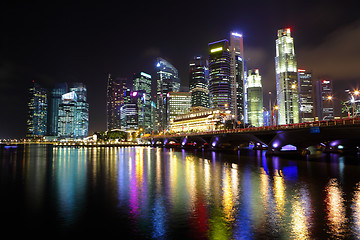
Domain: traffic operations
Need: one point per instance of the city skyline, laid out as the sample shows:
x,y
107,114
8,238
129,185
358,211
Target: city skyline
x,y
52,52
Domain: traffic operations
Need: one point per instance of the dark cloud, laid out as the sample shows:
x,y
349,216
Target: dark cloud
x,y
338,57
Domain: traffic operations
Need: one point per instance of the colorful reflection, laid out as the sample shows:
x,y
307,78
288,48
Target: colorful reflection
x,y
356,211
335,210
69,173
156,193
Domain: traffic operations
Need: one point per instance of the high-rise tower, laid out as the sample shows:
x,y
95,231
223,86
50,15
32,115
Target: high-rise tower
x,y
287,87
306,96
115,99
199,82
55,101
324,101
255,99
237,76
219,74
167,81
142,85
37,111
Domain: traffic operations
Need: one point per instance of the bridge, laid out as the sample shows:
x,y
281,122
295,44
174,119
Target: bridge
x,y
333,135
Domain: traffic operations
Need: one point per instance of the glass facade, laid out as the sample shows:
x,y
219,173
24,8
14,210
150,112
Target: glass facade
x,y
306,96
255,99
167,81
55,101
199,82
115,99
238,76
37,111
142,85
73,118
178,103
219,74
287,87
129,111
325,106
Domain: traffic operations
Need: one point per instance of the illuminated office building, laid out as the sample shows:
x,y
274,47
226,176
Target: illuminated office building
x,y
199,82
37,111
66,115
306,96
142,85
255,99
178,103
55,101
324,101
287,87
219,74
73,114
115,99
238,77
129,111
167,81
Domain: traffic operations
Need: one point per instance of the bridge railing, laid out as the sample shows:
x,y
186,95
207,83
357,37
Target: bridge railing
x,y
337,122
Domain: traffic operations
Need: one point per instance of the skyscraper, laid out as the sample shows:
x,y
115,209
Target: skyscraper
x,y
55,101
37,111
129,111
306,96
237,76
82,110
73,118
199,82
324,101
219,74
142,85
178,103
255,99
66,115
167,81
115,99
287,87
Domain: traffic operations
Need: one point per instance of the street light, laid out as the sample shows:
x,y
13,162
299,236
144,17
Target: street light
x,y
353,96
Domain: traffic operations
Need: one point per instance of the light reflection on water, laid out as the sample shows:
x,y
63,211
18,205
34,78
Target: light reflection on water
x,y
164,193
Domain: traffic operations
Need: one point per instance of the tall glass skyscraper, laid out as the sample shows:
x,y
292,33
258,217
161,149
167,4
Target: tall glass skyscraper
x,y
73,118
55,101
114,101
142,85
255,99
129,111
66,115
237,76
199,82
287,87
167,81
37,111
306,96
324,105
219,74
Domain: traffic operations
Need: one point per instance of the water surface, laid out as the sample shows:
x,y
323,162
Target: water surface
x,y
156,193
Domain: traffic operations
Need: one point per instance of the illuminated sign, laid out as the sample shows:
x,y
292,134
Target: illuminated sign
x,y
236,34
326,82
145,75
216,49
71,96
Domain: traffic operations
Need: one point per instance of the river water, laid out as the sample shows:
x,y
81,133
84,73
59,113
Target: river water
x,y
156,193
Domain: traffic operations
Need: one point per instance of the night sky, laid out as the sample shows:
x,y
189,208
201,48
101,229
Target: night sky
x,y
60,41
